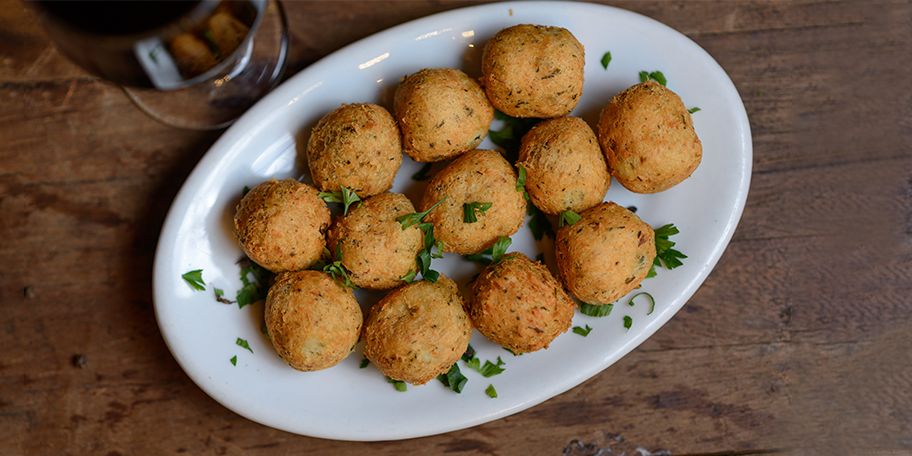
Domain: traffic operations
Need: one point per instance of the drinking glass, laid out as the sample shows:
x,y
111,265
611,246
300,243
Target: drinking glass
x,y
189,64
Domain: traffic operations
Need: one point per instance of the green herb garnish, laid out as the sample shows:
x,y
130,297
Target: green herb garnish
x,y
605,60
510,137
628,322
234,360
243,343
483,257
490,391
453,379
220,296
499,249
669,257
410,277
422,174
364,363
582,331
265,331
594,310
539,223
195,279
489,369
568,218
344,196
693,110
656,76
415,218
469,210
251,290
399,384
651,299
521,178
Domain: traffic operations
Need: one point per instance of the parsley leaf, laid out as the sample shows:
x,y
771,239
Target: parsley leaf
x,y
521,178
243,343
628,322
651,309
453,379
499,249
605,60
345,196
539,223
415,218
582,331
251,290
483,257
568,218
510,137
195,279
693,110
491,392
593,310
220,296
469,210
234,360
410,277
656,76
422,174
399,384
364,363
670,258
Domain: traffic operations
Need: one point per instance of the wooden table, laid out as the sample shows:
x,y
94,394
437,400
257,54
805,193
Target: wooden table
x,y
800,340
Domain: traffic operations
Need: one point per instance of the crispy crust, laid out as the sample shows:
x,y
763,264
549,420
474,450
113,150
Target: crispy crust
x,y
519,305
373,246
648,138
565,168
281,225
533,71
313,323
604,255
417,331
442,113
357,146
482,176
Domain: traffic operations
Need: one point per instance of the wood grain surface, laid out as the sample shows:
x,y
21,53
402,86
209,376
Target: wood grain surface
x,y
800,340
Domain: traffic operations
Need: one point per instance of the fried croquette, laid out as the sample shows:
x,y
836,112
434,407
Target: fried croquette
x,y
478,176
519,305
442,113
604,255
372,245
416,332
357,146
281,225
648,138
565,167
533,71
312,321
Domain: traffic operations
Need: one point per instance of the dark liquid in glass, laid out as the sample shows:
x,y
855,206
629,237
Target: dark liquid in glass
x,y
160,44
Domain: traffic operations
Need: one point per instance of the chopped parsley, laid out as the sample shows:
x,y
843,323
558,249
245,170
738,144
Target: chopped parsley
x,y
651,299
470,209
246,191
568,218
251,290
521,181
593,310
499,249
234,360
665,254
582,331
410,277
510,137
415,218
628,322
195,279
364,363
491,392
656,76
243,343
483,257
265,331
220,296
487,370
398,384
422,174
539,223
453,379
344,196
606,59
693,110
